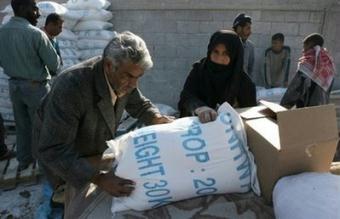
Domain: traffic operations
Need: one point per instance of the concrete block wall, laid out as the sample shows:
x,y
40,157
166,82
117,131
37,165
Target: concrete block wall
x,y
177,32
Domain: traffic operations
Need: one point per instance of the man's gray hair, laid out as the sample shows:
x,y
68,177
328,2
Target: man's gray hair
x,y
127,46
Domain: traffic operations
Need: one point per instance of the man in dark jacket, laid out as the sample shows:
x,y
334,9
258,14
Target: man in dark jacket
x,y
83,110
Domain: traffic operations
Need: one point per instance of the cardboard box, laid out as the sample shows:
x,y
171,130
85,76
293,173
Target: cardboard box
x,y
286,142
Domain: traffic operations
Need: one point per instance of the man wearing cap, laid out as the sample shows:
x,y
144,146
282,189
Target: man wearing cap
x,y
242,26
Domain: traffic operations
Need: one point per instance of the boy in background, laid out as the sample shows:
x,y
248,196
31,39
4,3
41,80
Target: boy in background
x,y
313,81
277,63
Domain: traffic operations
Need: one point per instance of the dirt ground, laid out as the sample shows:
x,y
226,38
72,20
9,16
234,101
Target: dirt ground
x,y
21,202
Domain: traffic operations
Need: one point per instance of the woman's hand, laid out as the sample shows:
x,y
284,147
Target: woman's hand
x,y
206,114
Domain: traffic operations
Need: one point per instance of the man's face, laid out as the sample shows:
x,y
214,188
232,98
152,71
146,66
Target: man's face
x,y
54,29
277,45
125,78
31,13
244,32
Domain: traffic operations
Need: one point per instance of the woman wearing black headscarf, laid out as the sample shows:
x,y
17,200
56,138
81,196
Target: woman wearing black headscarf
x,y
217,78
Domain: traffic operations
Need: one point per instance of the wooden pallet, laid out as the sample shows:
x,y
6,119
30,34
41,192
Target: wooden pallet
x,y
10,177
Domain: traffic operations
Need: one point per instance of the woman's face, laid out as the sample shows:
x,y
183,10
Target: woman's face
x,y
219,55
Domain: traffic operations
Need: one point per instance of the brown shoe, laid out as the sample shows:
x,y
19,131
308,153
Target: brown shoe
x,y
8,155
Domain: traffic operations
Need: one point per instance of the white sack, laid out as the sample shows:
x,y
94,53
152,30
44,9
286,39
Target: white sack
x,y
2,74
64,44
96,34
48,7
67,35
91,44
7,10
69,53
89,53
70,23
90,14
87,4
6,18
92,25
6,109
306,196
41,22
184,159
69,62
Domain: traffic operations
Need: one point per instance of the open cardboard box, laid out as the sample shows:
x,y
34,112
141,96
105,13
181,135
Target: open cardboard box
x,y
286,142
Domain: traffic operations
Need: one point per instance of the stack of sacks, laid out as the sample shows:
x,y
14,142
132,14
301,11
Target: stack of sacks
x,y
68,48
6,109
93,28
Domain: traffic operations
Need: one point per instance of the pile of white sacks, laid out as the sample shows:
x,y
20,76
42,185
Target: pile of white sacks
x,y
86,29
5,102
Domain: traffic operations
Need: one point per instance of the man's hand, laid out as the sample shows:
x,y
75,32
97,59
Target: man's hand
x,y
161,119
113,184
206,114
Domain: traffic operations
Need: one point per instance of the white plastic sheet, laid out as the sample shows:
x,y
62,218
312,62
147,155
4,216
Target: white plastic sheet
x,y
306,196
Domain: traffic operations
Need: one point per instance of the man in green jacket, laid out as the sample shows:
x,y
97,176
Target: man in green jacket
x,y
27,57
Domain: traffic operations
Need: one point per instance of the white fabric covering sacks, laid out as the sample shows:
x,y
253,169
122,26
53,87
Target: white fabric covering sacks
x,y
184,159
306,196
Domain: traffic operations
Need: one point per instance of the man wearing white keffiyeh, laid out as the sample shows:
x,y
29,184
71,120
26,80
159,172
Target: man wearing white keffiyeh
x,y
313,81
